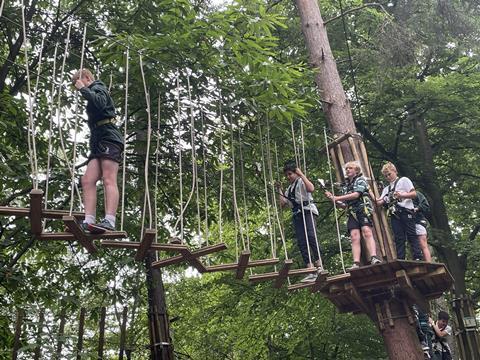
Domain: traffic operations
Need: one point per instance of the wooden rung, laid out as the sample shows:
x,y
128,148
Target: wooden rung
x,y
14,211
59,214
82,238
209,249
70,237
320,282
192,260
148,237
242,264
263,262
222,267
300,285
283,273
135,245
263,277
302,271
36,206
166,262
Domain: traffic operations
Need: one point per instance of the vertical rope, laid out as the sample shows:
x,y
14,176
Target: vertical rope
x,y
157,155
295,149
222,161
74,160
205,192
242,183
280,220
235,203
267,203
147,155
180,165
125,126
50,128
197,190
311,214
334,204
31,123
1,7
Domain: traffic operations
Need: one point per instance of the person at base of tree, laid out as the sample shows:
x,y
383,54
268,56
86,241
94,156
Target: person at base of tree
x,y
422,208
442,331
397,197
356,200
106,147
298,197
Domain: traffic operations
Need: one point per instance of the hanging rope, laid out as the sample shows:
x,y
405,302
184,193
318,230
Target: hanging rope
x,y
267,203
235,203
242,183
125,125
280,222
193,153
146,202
50,127
295,149
72,192
31,124
205,192
179,141
157,155
197,191
1,7
221,160
59,104
334,204
311,214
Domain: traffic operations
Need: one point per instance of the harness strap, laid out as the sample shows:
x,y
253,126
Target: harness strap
x,y
104,122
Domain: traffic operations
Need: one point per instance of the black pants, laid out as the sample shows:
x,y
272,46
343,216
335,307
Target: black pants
x,y
299,227
403,226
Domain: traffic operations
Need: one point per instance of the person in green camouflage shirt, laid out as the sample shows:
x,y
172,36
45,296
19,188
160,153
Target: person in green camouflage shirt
x,y
356,200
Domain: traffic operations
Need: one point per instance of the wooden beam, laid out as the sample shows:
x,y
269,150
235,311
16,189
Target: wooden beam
x,y
66,236
36,207
46,213
190,257
302,271
222,267
193,261
407,287
169,261
336,142
356,298
263,262
148,237
242,264
299,286
82,238
135,245
320,281
14,211
388,312
378,311
263,277
283,273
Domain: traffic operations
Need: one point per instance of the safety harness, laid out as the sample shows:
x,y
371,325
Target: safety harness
x,y
297,206
104,122
362,202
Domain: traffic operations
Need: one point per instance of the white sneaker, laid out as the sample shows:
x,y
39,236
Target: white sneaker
x,y
309,278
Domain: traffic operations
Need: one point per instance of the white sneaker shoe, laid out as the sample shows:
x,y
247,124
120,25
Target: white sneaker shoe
x,y
309,278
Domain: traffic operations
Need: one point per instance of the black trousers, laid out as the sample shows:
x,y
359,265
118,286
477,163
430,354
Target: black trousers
x,y
300,228
403,226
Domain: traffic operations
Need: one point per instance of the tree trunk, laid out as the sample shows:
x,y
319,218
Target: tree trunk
x,y
340,120
159,325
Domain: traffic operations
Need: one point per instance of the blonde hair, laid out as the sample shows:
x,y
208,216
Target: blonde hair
x,y
355,165
84,73
388,167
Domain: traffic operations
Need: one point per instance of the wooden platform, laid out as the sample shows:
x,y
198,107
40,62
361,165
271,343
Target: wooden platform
x,y
243,263
418,281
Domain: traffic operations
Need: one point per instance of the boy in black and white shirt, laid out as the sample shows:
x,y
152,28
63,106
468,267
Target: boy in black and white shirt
x,y
398,199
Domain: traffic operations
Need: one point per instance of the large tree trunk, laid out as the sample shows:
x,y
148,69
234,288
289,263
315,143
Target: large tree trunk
x,y
340,121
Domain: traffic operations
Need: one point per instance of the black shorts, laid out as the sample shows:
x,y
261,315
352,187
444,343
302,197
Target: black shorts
x,y
360,219
106,150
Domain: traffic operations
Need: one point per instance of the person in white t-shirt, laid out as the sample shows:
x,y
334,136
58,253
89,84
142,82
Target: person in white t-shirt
x,y
397,197
298,197
442,332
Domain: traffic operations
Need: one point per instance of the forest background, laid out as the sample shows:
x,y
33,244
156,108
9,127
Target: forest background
x,y
410,69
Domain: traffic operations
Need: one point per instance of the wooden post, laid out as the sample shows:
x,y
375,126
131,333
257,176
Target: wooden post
x,y
18,333
61,331
38,338
399,336
101,332
81,325
123,333
161,347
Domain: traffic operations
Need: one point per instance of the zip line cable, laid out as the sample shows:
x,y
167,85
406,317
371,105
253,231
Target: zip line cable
x,y
205,188
179,141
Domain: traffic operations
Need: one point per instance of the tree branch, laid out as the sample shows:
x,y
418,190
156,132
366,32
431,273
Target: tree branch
x,y
356,9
